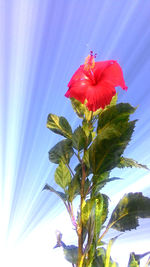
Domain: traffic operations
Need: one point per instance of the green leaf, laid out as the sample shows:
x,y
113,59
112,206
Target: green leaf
x,y
115,116
86,210
88,115
95,213
108,258
88,129
100,258
86,158
74,187
100,214
100,184
100,180
134,259
71,253
126,162
78,168
59,125
100,243
113,101
81,109
128,211
62,175
61,151
90,229
109,145
105,208
97,112
78,107
79,139
87,186
96,179
85,232
61,195
91,255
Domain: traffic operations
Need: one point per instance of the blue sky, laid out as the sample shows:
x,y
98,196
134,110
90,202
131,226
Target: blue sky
x,y
42,43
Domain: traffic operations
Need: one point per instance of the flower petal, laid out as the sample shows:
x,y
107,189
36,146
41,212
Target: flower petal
x,y
77,76
100,67
78,89
100,95
113,73
78,85
97,84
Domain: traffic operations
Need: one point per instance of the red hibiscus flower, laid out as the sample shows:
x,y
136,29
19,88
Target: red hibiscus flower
x,y
95,82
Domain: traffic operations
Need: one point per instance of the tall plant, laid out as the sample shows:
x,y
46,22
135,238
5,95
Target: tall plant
x,y
98,144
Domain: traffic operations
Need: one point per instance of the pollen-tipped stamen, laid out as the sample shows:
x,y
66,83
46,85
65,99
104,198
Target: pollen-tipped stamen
x,y
89,61
89,64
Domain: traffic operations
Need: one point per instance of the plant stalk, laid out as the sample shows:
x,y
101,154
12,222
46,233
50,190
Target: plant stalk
x,y
110,225
80,228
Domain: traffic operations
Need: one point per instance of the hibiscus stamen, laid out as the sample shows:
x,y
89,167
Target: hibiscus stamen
x,y
89,61
89,64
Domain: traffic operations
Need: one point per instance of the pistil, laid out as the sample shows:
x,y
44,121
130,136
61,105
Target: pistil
x,y
89,64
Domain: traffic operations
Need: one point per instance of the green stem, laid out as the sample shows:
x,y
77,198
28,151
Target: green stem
x,y
78,157
71,213
104,233
80,228
110,225
71,171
